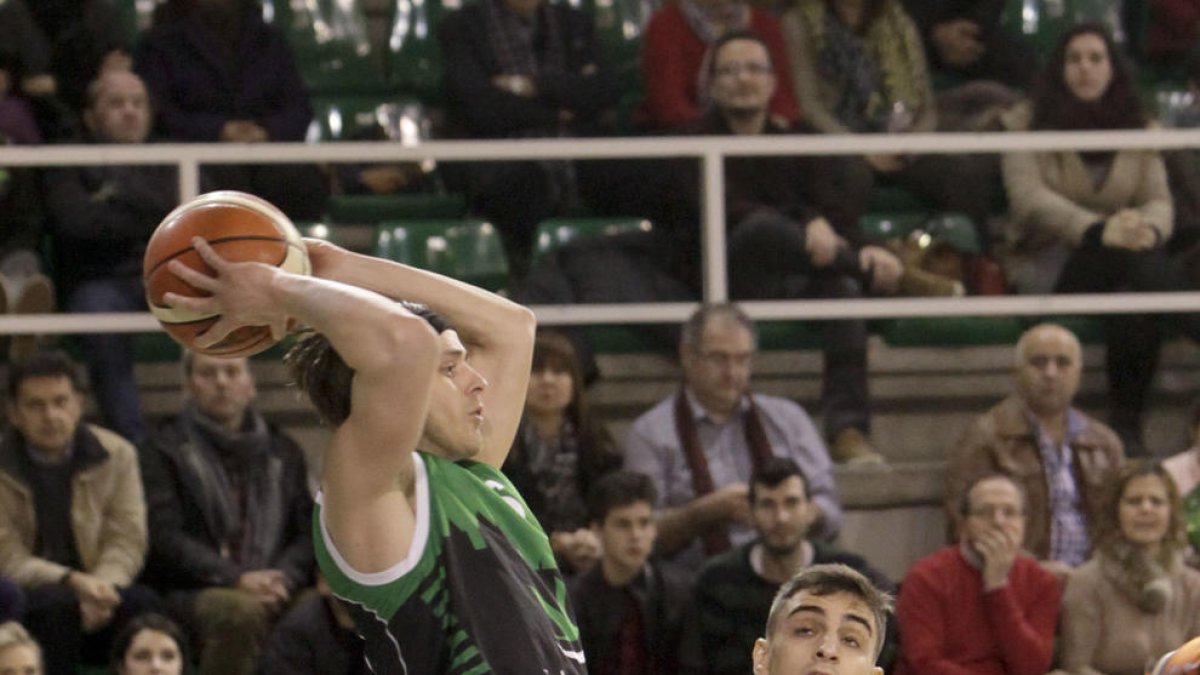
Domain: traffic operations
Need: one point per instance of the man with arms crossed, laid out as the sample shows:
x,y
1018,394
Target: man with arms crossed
x,y
441,563
827,619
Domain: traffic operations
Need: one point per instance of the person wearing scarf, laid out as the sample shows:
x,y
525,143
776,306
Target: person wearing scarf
x,y
229,513
702,444
1135,599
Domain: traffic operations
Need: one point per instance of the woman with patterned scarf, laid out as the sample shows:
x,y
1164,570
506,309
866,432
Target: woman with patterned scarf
x,y
1135,599
858,66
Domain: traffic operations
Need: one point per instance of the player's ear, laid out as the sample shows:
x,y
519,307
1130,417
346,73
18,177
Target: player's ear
x,y
760,657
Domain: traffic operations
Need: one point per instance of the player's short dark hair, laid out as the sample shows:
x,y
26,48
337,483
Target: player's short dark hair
x,y
829,579
616,489
48,363
319,371
773,472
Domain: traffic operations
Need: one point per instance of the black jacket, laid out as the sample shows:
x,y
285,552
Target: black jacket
x,y
587,88
102,216
185,546
664,595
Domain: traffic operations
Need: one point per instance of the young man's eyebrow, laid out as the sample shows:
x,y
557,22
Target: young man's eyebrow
x,y
816,609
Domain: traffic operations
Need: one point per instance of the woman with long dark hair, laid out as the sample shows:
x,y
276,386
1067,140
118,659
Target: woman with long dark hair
x,y
150,644
560,450
1135,599
1096,221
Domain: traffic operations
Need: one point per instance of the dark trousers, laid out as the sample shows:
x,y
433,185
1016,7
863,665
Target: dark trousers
x,y
53,618
768,261
1132,340
12,601
109,356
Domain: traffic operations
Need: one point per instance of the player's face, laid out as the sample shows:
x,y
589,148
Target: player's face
x,y
831,634
717,369
455,424
46,412
782,515
1145,511
121,110
1048,372
223,389
152,653
20,660
994,504
627,535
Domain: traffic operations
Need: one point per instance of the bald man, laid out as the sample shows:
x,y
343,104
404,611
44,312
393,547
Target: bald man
x,y
101,218
1059,456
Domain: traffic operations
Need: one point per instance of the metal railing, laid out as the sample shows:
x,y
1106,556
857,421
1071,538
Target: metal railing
x,y
710,151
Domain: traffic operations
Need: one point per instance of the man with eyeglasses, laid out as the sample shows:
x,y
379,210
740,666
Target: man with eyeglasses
x,y
981,606
702,444
1062,458
793,231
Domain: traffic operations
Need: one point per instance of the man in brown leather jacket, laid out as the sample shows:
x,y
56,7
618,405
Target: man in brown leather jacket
x,y
1060,456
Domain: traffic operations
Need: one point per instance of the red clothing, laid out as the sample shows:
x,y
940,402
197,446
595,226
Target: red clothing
x,y
949,626
672,55
1173,27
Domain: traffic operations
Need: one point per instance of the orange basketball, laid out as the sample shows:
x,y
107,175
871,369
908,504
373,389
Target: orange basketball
x,y
241,228
1182,661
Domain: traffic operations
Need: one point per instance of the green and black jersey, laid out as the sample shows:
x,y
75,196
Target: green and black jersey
x,y
479,591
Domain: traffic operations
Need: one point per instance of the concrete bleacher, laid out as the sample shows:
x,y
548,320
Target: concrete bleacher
x,y
923,398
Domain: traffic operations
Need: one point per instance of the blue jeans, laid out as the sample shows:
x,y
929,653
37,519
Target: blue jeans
x,y
109,356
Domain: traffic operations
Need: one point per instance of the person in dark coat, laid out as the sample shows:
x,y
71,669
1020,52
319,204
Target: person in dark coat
x,y
230,515
218,73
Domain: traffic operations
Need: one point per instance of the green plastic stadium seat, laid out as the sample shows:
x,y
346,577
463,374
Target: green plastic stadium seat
x,y
370,209
414,61
891,224
554,233
469,250
330,42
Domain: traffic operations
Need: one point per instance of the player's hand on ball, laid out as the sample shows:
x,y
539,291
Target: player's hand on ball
x,y
238,291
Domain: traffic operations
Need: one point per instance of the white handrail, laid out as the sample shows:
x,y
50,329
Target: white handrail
x,y
710,151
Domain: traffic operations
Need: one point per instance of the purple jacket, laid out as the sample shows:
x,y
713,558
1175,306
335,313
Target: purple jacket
x,y
196,90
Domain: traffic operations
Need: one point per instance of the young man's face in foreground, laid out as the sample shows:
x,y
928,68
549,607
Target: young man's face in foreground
x,y
832,634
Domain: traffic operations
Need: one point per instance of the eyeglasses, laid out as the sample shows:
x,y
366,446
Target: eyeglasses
x,y
737,67
990,512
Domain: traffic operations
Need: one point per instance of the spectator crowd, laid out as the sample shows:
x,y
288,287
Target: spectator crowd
x,y
186,542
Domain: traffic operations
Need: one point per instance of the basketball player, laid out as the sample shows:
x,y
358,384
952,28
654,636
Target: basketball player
x,y
443,566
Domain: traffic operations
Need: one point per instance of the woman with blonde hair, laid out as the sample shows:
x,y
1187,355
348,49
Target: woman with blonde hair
x,y
1135,599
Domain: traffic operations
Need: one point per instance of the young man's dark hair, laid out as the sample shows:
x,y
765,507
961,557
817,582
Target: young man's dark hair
x,y
773,472
54,363
319,371
617,489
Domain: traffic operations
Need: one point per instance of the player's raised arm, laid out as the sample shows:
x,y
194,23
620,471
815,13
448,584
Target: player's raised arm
x,y
498,333
394,357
